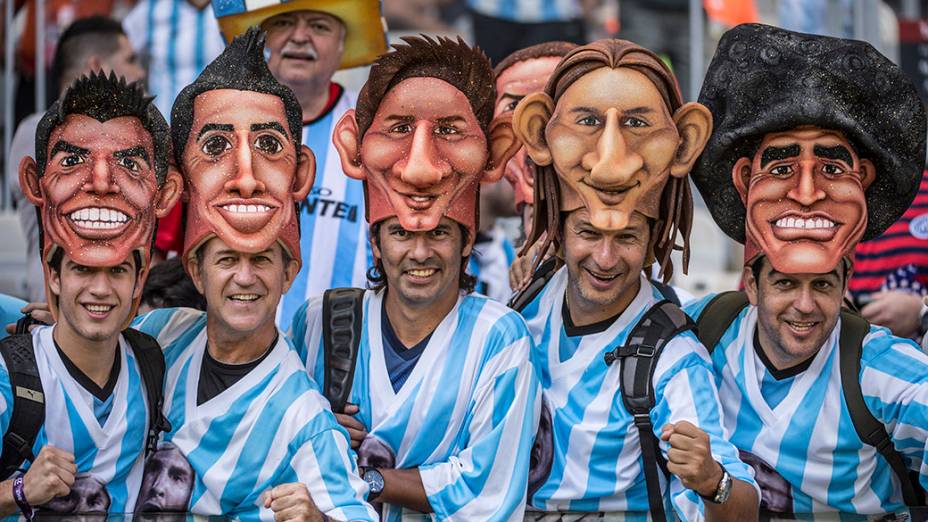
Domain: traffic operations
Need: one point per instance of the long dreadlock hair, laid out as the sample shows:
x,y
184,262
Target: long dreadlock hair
x,y
675,217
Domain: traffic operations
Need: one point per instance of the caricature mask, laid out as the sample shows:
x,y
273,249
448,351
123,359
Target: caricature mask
x,y
422,137
524,72
819,144
237,138
101,176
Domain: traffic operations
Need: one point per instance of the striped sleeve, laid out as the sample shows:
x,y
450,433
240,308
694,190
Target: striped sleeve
x,y
894,382
488,479
684,391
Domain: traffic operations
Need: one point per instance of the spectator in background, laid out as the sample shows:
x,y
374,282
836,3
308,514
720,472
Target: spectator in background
x,y
663,27
169,286
307,41
90,44
502,27
891,272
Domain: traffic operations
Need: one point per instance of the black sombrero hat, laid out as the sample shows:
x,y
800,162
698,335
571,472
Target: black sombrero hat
x,y
765,79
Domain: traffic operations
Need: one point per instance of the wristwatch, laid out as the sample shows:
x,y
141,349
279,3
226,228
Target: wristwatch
x,y
723,491
374,481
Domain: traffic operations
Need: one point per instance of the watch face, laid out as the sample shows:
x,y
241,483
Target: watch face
x,y
724,488
374,480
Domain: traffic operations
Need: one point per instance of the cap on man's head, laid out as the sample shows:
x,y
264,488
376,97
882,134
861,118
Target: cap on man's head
x,y
365,28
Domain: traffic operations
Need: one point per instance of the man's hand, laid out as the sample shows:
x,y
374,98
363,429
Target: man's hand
x,y
896,310
39,311
690,458
520,273
292,503
356,430
50,476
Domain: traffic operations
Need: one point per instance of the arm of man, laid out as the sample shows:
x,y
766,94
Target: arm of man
x,y
687,419
488,479
894,383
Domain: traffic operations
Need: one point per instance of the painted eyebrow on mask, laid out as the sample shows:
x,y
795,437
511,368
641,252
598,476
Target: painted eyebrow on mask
x,y
272,125
134,151
838,152
778,153
63,146
225,127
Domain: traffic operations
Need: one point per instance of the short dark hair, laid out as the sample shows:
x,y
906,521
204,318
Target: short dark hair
x,y
104,98
377,278
543,50
240,67
169,286
94,35
467,69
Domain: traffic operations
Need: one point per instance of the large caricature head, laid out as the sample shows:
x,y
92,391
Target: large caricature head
x,y
101,176
612,134
819,144
524,72
237,137
422,138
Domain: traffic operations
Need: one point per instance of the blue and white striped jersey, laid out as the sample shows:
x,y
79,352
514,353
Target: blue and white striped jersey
x,y
528,11
333,230
466,415
109,454
597,464
490,262
799,427
177,40
269,428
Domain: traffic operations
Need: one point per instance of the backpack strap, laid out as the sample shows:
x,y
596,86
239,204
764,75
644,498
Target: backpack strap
x,y
151,365
342,317
638,359
717,316
28,403
666,291
540,278
870,430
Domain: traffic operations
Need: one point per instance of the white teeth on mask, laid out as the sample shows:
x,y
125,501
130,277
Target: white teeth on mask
x,y
246,209
98,218
244,297
812,223
420,199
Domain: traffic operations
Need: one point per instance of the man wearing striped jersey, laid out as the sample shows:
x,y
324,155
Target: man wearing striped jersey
x,y
831,412
101,178
307,42
248,419
605,159
443,401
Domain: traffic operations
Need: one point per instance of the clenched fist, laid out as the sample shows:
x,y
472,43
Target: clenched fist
x,y
292,503
690,458
50,476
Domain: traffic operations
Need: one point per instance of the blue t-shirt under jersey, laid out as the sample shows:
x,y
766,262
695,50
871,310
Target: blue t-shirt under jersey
x,y
400,360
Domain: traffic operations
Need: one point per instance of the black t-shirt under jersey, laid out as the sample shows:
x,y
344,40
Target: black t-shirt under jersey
x,y
216,377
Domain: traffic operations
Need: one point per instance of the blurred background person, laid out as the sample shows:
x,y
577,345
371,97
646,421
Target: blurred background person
x,y
502,27
169,286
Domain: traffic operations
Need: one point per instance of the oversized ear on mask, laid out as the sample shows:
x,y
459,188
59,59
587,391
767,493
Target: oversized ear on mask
x,y
305,173
169,193
529,121
503,146
694,124
29,181
741,177
347,141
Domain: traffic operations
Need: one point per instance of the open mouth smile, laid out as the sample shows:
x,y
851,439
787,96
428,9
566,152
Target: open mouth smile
x,y
98,218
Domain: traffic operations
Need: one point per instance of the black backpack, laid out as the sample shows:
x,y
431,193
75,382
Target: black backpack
x,y
724,308
638,359
29,399
342,314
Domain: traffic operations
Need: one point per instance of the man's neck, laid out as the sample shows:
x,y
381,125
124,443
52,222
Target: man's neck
x,y
583,312
411,321
230,347
93,358
313,99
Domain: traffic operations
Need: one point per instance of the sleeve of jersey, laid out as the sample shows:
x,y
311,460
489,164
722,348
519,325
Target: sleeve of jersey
x,y
488,479
684,391
325,464
894,382
305,332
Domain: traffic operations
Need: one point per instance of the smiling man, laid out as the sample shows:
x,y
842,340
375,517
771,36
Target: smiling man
x,y
611,186
100,181
231,374
442,397
820,143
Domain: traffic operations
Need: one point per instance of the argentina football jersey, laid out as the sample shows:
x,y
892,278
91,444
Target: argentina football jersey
x,y
269,428
333,232
465,416
106,436
595,462
795,428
